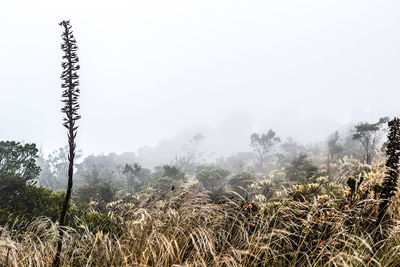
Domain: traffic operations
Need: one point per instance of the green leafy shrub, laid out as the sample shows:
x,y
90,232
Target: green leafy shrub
x,y
169,177
165,183
26,201
101,194
213,179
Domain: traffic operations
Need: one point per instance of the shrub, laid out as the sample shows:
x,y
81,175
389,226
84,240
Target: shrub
x,y
301,170
27,201
169,177
241,182
213,180
165,183
99,193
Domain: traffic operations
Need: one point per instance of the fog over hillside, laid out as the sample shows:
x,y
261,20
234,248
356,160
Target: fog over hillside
x,y
168,69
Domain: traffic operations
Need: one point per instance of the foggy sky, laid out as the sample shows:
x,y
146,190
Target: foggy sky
x,y
151,70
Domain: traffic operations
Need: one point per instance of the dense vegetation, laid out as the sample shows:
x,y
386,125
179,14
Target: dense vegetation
x,y
283,204
296,205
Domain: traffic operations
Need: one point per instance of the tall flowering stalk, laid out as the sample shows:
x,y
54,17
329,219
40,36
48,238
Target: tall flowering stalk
x,y
392,167
70,83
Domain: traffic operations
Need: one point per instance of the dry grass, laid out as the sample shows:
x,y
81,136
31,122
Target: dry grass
x,y
187,229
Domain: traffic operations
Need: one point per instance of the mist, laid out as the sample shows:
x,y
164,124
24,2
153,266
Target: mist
x,y
161,71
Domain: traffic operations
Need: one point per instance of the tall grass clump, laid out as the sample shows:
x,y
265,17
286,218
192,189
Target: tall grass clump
x,y
186,228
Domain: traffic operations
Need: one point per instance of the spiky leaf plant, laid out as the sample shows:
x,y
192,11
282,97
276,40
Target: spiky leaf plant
x,y
70,83
392,167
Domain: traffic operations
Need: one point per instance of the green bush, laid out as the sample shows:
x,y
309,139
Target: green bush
x,y
165,183
213,179
169,177
101,194
241,182
27,201
301,170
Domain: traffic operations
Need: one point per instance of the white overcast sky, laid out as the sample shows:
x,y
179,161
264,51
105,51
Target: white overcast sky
x,y
152,69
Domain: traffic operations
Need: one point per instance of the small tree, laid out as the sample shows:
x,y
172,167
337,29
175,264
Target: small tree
x,y
369,135
92,176
173,172
392,167
333,145
291,147
54,174
333,148
70,96
192,148
130,171
19,196
18,160
192,154
263,144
